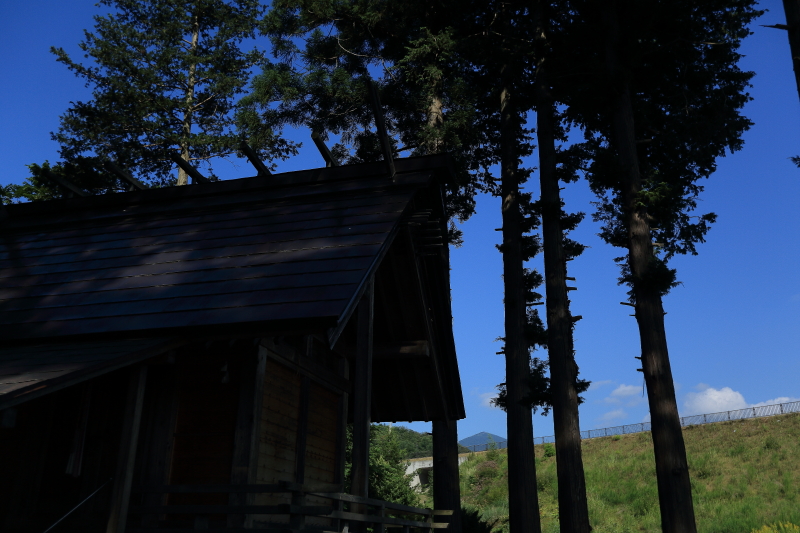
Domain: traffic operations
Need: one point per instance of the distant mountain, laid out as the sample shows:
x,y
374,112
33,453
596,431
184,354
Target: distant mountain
x,y
481,438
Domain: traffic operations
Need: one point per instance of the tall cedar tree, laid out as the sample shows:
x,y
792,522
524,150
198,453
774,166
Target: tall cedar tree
x,y
560,391
792,10
523,499
165,77
565,385
658,92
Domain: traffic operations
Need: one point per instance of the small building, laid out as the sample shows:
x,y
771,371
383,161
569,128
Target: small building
x,y
190,357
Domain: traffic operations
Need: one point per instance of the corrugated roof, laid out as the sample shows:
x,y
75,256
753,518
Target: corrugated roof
x,y
251,251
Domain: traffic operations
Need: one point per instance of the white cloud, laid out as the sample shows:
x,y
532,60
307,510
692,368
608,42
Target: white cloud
x,y
713,400
616,414
630,395
597,384
625,390
646,418
710,400
782,399
486,399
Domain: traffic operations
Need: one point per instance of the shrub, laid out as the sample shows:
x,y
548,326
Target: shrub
x,y
549,450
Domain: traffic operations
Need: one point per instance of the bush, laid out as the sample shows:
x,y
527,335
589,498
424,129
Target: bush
x,y
549,450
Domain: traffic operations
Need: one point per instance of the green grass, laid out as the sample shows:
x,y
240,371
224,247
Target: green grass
x,y
745,476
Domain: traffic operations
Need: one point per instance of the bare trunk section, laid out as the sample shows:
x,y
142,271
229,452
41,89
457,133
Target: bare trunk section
x,y
573,510
186,125
435,120
523,500
672,472
792,10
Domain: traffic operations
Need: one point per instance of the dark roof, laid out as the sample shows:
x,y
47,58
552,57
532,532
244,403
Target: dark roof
x,y
250,251
80,278
27,372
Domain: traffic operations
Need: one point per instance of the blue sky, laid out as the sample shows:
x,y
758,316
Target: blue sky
x,y
733,325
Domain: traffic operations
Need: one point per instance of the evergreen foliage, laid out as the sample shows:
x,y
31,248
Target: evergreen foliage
x,y
681,62
165,76
541,394
387,466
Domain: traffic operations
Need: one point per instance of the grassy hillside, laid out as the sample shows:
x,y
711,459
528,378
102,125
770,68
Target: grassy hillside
x,y
745,474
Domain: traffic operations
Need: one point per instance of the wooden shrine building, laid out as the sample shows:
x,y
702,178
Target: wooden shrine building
x,y
189,357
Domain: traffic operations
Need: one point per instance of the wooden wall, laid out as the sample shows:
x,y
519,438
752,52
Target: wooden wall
x,y
300,425
321,445
62,447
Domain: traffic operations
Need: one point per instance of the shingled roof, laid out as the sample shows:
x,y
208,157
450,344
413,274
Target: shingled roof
x,y
258,250
143,270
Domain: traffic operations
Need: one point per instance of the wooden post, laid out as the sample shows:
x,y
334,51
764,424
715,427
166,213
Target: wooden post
x,y
126,459
160,412
446,487
362,391
341,445
302,431
248,424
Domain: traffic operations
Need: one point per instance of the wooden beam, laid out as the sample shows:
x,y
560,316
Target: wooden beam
x,y
335,332
120,498
302,431
425,412
446,487
189,169
401,382
380,125
307,367
426,312
330,159
252,156
402,350
362,390
160,412
75,460
248,430
124,175
341,426
66,185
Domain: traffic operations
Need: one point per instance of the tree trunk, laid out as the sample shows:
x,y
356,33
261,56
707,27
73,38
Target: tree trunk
x,y
523,500
435,121
672,472
186,125
792,10
573,510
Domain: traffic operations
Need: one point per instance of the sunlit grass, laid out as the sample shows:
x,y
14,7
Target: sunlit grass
x,y
745,476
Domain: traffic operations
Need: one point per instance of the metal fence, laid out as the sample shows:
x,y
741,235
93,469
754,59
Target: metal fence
x,y
740,414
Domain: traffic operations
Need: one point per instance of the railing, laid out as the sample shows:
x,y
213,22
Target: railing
x,y
303,513
739,414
